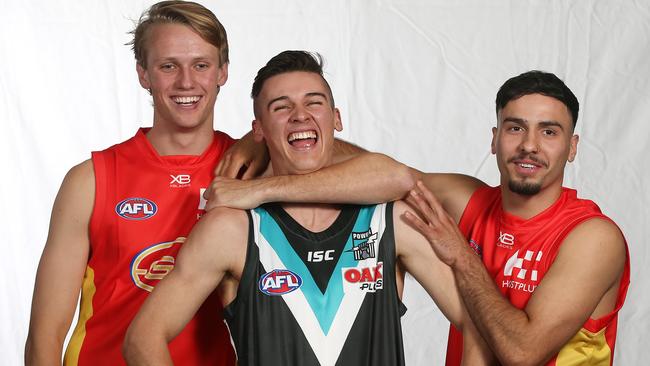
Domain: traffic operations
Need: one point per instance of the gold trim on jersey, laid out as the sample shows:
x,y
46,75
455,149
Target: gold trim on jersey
x,y
586,348
85,312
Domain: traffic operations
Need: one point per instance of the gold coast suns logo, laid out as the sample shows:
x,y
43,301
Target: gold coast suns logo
x,y
152,264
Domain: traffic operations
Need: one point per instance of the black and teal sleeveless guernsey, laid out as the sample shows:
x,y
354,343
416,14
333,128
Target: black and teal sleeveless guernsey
x,y
327,298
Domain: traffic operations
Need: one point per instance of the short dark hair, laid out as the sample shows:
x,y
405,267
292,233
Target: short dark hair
x,y
290,61
538,82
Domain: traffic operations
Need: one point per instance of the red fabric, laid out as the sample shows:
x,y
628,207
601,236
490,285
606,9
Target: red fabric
x,y
133,170
504,239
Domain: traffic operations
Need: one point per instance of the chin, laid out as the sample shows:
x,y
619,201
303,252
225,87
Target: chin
x,y
525,188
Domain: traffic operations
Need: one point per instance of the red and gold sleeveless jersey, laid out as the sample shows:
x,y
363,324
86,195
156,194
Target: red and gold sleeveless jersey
x,y
145,206
517,254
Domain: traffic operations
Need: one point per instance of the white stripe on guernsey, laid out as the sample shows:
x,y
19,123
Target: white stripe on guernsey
x,y
232,341
352,301
326,347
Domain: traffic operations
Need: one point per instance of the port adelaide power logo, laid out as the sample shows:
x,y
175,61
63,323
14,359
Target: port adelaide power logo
x,y
363,245
279,282
136,208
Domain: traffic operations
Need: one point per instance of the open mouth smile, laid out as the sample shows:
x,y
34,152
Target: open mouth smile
x,y
186,101
302,139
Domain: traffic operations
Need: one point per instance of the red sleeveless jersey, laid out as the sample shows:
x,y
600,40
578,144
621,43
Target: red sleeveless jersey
x,y
145,206
517,254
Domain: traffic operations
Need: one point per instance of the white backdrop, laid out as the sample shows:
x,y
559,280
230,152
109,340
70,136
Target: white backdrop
x,y
415,79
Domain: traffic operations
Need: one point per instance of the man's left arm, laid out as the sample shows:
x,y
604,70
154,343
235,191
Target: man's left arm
x,y
366,178
344,150
581,283
245,159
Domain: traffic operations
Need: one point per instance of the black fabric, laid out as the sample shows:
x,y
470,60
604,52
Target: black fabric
x,y
265,332
305,242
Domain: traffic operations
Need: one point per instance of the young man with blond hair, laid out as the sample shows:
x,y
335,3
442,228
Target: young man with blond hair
x,y
120,218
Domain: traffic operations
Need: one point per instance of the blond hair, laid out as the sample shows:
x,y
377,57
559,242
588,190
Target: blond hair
x,y
188,13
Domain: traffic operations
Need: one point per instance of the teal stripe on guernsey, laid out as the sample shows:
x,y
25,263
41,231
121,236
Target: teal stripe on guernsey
x,y
325,305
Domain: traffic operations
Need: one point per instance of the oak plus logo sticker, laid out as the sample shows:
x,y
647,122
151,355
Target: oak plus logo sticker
x,y
367,279
153,263
136,208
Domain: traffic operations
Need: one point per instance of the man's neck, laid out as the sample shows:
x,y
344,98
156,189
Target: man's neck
x,y
315,217
525,206
169,141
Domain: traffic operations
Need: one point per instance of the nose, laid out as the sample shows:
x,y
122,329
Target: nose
x,y
529,142
185,79
299,114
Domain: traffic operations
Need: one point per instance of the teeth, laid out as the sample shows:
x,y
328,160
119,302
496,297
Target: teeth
x,y
186,100
527,166
302,135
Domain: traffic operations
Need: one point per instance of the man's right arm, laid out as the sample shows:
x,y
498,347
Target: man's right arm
x,y
215,247
61,268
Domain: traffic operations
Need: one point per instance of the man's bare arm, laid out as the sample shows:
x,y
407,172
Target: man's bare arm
x,y
245,159
452,190
418,258
558,307
344,150
61,268
216,246
367,178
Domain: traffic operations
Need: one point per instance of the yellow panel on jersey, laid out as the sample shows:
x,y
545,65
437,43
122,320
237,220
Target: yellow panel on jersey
x,y
85,312
585,348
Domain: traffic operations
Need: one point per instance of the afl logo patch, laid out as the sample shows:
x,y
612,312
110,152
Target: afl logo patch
x,y
136,208
279,282
152,264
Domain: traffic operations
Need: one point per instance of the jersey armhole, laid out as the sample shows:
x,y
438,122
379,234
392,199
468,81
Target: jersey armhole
x,y
102,161
475,206
248,271
591,324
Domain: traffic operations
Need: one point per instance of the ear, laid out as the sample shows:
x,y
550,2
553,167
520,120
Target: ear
x,y
258,134
338,125
573,147
143,76
493,144
223,74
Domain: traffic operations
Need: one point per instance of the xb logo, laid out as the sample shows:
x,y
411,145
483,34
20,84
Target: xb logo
x,y
506,240
180,180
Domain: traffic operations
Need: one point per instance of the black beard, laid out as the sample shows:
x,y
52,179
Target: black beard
x,y
523,188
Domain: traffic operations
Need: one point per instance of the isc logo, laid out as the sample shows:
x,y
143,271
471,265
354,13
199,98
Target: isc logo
x,y
368,279
153,263
279,282
320,255
136,208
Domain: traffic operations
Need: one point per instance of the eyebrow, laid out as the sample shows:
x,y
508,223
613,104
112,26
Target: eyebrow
x,y
521,121
316,94
284,97
551,124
